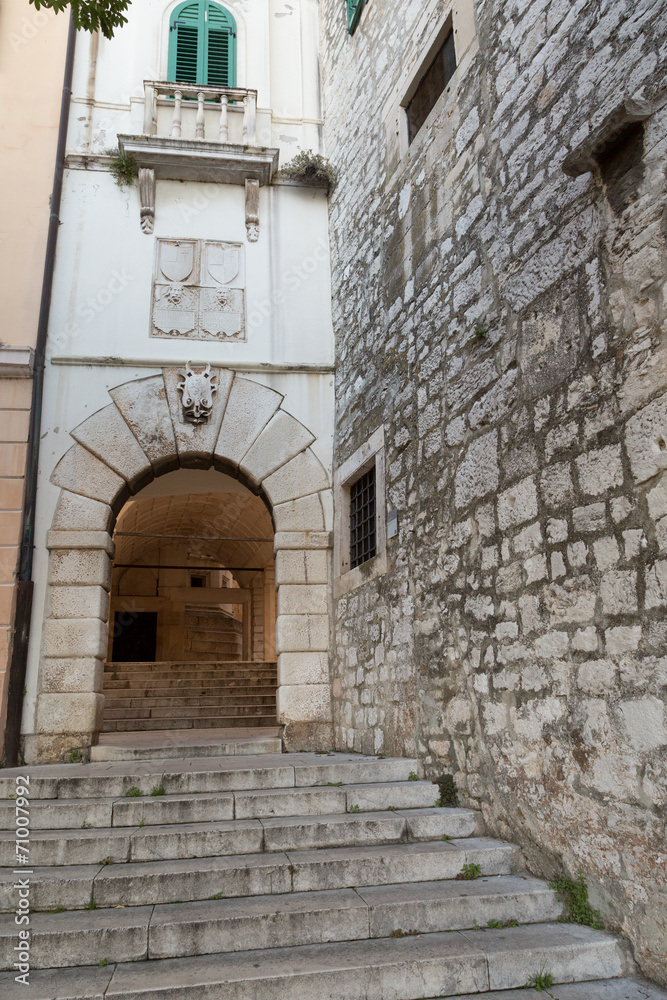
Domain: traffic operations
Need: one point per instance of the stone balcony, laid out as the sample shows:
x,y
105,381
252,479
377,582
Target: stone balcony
x,y
199,133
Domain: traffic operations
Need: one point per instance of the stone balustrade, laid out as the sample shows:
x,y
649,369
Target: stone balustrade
x,y
191,111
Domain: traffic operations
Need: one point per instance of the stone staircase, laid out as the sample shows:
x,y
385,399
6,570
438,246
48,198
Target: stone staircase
x,y
212,634
188,695
278,877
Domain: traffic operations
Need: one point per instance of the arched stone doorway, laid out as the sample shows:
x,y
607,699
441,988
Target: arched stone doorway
x,y
192,612
143,433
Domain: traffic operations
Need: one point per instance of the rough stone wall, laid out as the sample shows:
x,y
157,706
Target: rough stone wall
x,y
507,324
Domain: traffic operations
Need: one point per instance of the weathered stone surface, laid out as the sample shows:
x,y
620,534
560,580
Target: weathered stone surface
x,y
108,436
80,472
75,637
143,404
80,566
281,439
300,566
646,440
303,514
302,632
66,714
249,408
478,473
304,703
303,668
79,602
302,475
78,513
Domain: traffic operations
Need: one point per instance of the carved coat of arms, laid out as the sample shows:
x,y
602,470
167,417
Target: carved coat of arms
x,y
199,290
197,390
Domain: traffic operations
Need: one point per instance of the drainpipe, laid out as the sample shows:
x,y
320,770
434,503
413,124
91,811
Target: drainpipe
x,y
24,585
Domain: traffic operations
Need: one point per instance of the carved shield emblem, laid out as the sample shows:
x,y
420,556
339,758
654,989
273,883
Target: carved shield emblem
x,y
222,262
177,260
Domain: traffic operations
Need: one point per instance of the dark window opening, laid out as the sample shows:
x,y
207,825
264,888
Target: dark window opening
x,y
362,519
431,85
197,581
621,163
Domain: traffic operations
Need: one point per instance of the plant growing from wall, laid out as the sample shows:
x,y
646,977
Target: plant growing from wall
x,y
574,893
123,168
447,789
311,168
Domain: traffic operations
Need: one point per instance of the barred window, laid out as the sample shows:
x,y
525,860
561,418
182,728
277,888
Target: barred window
x,y
431,85
363,543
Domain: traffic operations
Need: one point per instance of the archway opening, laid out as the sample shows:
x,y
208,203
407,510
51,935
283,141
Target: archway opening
x,y
191,641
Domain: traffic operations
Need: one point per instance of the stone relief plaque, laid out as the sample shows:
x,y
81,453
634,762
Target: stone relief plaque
x,y
199,290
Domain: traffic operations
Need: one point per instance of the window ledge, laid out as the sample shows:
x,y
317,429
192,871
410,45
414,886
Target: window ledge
x,y
200,160
360,575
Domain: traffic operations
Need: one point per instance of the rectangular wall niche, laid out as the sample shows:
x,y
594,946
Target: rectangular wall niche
x,y
198,290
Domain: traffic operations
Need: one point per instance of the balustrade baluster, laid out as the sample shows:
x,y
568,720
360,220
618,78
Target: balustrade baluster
x,y
176,123
224,130
199,130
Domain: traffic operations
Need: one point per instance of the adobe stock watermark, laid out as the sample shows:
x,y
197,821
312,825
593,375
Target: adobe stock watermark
x,y
30,28
91,307
22,885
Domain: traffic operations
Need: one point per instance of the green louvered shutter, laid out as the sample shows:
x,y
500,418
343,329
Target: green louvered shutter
x,y
202,44
221,47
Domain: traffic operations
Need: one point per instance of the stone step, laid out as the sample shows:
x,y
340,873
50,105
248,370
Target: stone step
x,y
225,837
213,774
136,883
183,722
135,699
203,676
426,965
278,921
153,682
180,709
157,664
161,809
599,989
196,745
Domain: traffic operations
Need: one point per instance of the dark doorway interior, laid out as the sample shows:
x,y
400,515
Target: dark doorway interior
x,y
134,636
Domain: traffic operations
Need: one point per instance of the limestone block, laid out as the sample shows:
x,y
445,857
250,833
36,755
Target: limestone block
x,y
77,513
326,498
644,720
304,474
618,590
303,514
301,540
301,566
302,600
622,639
249,409
75,637
69,713
72,673
196,440
556,484
646,439
56,539
107,436
304,703
282,439
478,473
596,677
518,504
656,585
295,633
81,472
82,566
143,405
79,602
600,470
303,668
590,518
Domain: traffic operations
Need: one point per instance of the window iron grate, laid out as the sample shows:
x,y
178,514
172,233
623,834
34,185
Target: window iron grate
x,y
363,544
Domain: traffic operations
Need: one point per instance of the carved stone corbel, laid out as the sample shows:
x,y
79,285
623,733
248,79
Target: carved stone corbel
x,y
252,209
147,198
